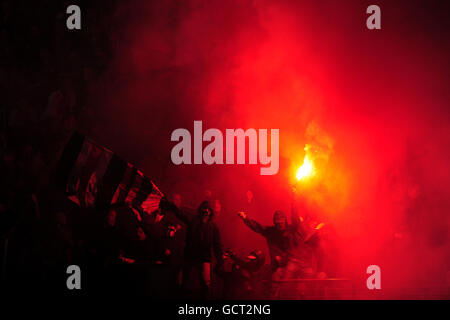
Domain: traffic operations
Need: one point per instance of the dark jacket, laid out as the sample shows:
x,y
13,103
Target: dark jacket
x,y
294,243
202,238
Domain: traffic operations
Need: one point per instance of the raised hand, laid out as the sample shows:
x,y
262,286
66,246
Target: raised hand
x,y
242,215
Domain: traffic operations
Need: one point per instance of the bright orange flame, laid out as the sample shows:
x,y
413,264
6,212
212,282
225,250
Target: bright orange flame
x,y
305,170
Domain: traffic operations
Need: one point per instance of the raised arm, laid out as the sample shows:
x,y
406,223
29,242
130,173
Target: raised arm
x,y
217,247
166,205
252,224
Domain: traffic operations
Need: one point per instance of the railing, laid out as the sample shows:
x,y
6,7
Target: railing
x,y
312,289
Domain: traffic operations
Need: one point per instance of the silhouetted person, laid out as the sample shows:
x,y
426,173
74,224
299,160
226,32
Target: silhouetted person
x,y
202,238
291,247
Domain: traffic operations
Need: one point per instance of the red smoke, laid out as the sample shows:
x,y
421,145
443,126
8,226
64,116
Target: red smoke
x,y
380,98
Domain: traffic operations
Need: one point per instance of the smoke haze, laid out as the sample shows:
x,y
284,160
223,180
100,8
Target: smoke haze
x,y
374,103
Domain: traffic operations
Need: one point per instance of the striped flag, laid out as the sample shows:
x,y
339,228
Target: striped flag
x,y
92,175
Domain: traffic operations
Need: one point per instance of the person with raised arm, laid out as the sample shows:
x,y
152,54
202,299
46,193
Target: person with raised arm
x,y
203,243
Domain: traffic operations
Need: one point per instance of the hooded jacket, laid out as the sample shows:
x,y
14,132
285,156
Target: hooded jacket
x,y
293,243
202,238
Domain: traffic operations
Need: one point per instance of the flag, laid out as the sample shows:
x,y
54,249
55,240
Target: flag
x,y
92,176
